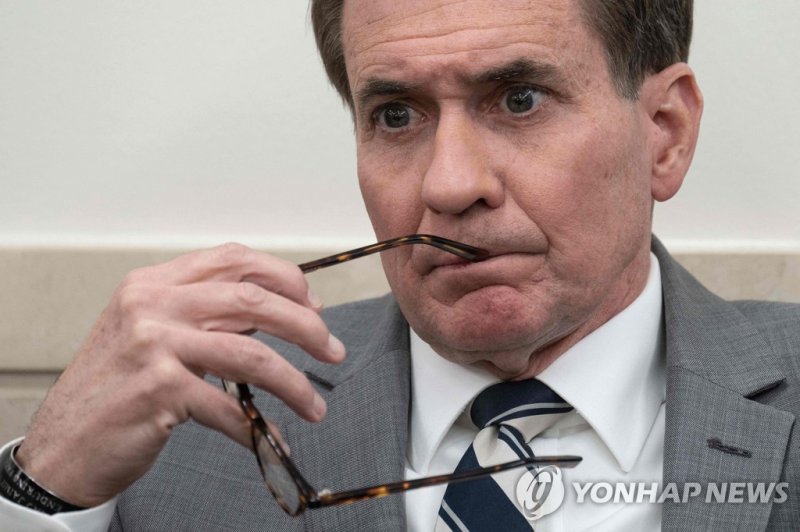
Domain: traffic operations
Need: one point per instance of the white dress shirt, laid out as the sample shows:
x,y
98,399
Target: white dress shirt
x,y
614,378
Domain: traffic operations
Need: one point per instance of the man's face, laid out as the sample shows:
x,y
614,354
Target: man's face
x,y
497,124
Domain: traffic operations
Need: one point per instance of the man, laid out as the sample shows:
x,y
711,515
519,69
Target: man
x,y
542,131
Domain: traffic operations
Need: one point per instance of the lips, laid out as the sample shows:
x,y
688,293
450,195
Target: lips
x,y
451,263
459,262
449,260
520,244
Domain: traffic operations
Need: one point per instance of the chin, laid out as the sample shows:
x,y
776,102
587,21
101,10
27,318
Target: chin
x,y
492,319
483,335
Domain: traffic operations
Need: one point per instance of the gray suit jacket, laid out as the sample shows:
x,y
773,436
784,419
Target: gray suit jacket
x,y
733,373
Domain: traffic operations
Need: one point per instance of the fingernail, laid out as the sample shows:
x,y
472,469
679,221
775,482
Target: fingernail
x,y
319,407
336,347
314,299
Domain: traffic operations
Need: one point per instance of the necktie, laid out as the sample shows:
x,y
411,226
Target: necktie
x,y
509,415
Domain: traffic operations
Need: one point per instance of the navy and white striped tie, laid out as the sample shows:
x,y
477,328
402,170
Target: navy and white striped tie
x,y
509,415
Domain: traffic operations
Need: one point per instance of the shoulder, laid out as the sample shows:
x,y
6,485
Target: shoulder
x,y
771,314
779,325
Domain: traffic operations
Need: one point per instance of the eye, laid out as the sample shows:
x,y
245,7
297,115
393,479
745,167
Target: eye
x,y
522,99
394,115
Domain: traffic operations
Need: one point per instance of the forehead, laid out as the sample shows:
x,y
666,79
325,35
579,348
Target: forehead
x,y
440,37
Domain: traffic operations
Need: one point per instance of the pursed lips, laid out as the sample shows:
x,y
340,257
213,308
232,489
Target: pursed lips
x,y
448,262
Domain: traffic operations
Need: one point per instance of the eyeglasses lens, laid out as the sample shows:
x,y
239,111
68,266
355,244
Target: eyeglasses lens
x,y
276,476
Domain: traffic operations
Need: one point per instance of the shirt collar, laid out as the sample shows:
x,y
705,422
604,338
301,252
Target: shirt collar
x,y
440,390
626,351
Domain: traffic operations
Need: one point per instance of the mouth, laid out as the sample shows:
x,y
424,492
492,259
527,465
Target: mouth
x,y
499,268
500,254
453,263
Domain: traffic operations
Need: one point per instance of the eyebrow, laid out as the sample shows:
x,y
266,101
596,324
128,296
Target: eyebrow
x,y
527,69
381,87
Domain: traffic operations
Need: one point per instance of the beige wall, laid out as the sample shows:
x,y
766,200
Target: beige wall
x,y
51,298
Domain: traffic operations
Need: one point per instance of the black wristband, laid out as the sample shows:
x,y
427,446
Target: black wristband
x,y
19,488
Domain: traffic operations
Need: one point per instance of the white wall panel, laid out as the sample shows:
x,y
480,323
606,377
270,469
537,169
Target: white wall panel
x,y
185,123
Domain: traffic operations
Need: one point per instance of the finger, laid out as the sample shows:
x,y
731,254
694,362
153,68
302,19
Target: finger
x,y
232,262
243,359
236,307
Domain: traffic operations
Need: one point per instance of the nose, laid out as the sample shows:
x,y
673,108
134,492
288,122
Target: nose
x,y
461,172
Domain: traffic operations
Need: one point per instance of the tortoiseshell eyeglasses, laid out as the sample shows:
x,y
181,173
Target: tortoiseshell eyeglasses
x,y
292,491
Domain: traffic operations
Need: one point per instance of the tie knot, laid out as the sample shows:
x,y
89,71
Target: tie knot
x,y
507,401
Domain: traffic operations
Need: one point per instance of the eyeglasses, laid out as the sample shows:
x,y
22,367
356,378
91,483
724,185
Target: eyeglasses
x,y
291,490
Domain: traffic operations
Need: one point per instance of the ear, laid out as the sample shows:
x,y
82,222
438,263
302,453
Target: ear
x,y
674,105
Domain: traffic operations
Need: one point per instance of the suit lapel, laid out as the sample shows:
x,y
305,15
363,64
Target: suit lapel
x,y
363,440
717,364
698,411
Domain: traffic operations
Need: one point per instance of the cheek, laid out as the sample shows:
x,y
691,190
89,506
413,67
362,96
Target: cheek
x,y
391,195
590,198
592,183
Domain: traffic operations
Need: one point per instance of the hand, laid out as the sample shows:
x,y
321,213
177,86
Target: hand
x,y
140,372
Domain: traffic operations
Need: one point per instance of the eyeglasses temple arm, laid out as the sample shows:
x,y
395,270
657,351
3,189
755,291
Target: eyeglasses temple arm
x,y
325,498
464,251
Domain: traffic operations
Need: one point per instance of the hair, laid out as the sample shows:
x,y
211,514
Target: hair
x,y
640,37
